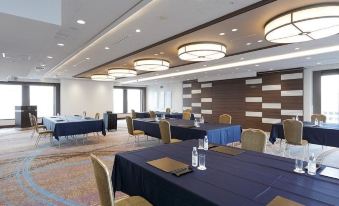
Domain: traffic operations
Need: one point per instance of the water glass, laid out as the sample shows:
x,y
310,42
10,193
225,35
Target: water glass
x,y
299,166
202,162
201,144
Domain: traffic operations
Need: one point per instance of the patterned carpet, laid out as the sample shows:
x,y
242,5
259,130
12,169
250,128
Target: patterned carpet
x,y
51,175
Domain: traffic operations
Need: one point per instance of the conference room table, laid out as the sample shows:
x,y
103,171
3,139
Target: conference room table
x,y
175,115
326,134
249,178
73,125
185,130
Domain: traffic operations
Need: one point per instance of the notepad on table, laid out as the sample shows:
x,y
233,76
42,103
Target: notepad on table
x,y
167,164
330,172
227,150
281,201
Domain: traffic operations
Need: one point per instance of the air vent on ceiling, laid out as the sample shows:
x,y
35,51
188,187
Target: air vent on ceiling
x,y
39,68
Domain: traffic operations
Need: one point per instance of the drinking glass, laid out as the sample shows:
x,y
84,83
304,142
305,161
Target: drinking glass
x,y
202,162
299,166
201,144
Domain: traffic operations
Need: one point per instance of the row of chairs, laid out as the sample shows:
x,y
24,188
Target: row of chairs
x,y
41,130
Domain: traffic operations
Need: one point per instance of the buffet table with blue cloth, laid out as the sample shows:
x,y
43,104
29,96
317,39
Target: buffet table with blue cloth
x,y
249,178
326,134
174,115
184,130
73,125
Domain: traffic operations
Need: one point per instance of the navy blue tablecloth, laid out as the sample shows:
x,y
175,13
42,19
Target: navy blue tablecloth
x,y
72,125
159,114
327,134
184,130
248,179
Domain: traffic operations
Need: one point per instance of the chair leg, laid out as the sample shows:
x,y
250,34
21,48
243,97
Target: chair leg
x,y
32,135
37,140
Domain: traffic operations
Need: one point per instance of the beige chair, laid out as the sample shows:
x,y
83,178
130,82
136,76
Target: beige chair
x,y
186,115
165,132
32,125
134,115
254,140
97,116
105,188
152,114
293,133
225,119
188,110
319,117
131,131
168,110
41,133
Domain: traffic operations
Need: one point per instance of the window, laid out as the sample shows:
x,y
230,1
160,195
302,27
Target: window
x,y
330,97
11,96
134,99
43,98
118,100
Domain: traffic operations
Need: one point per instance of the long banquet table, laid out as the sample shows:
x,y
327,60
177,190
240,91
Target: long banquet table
x,y
73,125
249,178
327,134
184,130
175,115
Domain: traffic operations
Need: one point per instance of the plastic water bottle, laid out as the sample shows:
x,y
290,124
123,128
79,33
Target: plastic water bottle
x,y
194,157
202,121
312,165
205,143
316,122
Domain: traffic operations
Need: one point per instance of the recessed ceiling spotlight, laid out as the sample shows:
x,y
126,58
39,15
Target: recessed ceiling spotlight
x,y
257,65
87,58
80,21
156,54
318,63
237,68
308,58
248,43
162,53
107,48
3,54
138,30
259,41
271,69
234,29
242,58
222,34
61,44
297,48
43,65
49,57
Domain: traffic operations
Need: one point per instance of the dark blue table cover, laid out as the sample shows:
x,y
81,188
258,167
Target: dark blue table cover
x,y
216,133
248,179
73,125
327,134
159,114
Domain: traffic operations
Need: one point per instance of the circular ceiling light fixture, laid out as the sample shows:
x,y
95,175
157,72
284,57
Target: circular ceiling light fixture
x,y
304,24
202,51
151,64
102,77
122,72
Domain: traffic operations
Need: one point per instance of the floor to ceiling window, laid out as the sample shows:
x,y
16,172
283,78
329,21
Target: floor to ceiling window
x,y
127,98
43,97
11,96
330,97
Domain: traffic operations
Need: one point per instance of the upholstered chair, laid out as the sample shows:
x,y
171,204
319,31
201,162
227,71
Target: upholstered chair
x,y
254,140
131,131
165,132
134,115
293,133
319,117
186,115
152,114
225,119
168,110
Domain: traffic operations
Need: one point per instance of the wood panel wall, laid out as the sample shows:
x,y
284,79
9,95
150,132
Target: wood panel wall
x,y
252,102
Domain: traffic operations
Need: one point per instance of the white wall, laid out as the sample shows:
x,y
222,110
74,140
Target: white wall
x,y
77,96
153,92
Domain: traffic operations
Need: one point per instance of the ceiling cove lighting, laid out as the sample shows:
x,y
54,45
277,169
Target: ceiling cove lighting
x,y
151,64
122,72
280,57
304,24
202,51
102,77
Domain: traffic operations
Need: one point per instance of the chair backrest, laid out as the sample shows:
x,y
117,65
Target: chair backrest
x,y
186,115
188,110
152,114
319,117
293,131
30,119
129,122
168,110
254,140
104,184
225,119
134,115
35,123
165,131
97,116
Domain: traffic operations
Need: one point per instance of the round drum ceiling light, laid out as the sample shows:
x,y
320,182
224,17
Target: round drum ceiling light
x,y
202,51
102,77
122,72
151,64
304,24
